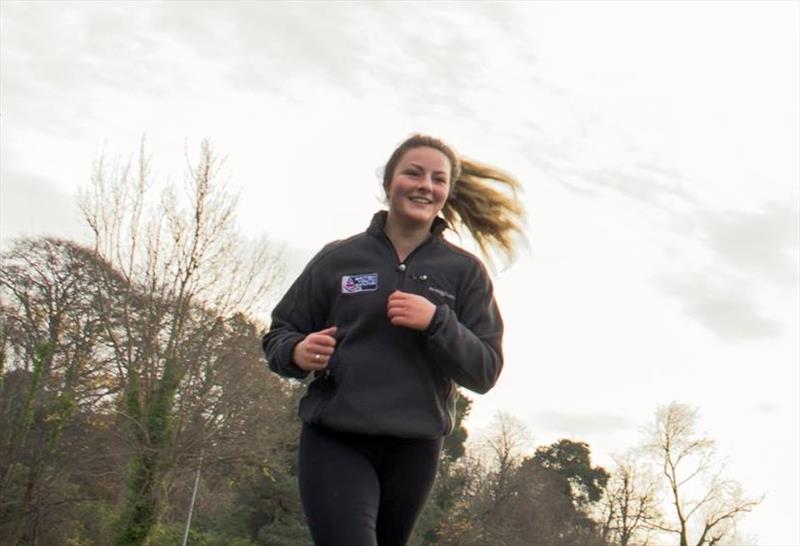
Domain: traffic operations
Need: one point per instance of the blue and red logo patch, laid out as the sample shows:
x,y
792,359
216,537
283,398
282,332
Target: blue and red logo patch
x,y
364,282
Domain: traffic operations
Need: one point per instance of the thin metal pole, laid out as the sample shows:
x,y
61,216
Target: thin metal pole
x,y
194,496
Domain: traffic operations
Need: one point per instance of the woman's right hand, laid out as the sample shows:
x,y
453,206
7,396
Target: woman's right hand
x,y
315,350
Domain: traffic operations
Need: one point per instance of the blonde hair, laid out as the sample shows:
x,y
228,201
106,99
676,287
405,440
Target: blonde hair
x,y
490,215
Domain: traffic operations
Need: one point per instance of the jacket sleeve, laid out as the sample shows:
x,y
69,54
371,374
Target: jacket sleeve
x,y
466,343
300,312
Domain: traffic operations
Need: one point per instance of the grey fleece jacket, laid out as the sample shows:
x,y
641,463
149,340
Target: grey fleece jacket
x,y
386,379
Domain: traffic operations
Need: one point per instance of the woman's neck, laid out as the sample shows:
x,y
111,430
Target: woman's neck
x,y
405,238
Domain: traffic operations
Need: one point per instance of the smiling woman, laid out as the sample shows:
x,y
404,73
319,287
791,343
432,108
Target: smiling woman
x,y
389,321
416,194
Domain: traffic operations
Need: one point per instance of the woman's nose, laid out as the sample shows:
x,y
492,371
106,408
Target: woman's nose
x,y
426,182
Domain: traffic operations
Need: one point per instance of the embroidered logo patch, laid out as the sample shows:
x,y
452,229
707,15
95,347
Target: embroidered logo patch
x,y
365,282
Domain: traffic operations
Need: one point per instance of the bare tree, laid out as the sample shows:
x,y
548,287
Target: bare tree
x,y
506,446
705,505
179,272
486,473
630,504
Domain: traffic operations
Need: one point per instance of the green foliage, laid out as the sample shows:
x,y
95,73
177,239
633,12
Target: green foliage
x,y
160,408
133,397
58,414
454,445
138,514
43,354
573,461
272,502
172,535
143,505
92,523
284,532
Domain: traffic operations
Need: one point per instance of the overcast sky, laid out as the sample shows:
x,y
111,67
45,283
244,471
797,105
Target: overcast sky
x,y
657,144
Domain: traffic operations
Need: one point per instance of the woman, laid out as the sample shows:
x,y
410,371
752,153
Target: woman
x,y
387,321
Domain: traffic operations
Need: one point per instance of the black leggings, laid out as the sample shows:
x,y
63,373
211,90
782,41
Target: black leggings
x,y
362,490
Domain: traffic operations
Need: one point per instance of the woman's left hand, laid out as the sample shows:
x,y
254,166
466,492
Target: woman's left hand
x,y
410,310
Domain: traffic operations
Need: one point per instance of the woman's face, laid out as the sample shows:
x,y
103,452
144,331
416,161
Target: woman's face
x,y
420,186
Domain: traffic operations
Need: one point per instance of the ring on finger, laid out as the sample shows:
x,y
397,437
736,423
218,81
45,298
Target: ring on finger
x,y
316,357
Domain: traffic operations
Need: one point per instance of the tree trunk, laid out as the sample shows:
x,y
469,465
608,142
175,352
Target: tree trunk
x,y
143,505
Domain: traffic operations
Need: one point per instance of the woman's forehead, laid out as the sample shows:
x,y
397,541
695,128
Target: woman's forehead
x,y
430,158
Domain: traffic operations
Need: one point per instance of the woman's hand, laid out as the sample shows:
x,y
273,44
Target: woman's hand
x,y
314,352
410,310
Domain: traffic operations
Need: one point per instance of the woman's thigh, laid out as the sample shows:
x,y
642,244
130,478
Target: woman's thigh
x,y
406,473
339,489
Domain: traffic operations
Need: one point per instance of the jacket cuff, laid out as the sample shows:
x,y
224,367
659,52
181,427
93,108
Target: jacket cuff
x,y
439,317
290,368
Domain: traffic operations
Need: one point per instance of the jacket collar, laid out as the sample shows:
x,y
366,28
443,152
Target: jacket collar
x,y
379,221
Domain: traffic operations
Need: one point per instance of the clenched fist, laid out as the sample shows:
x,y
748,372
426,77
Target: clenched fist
x,y
410,310
315,350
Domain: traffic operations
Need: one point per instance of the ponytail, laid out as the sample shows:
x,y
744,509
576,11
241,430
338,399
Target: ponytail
x,y
490,215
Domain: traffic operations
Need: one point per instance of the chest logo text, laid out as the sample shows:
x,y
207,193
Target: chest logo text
x,y
442,293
